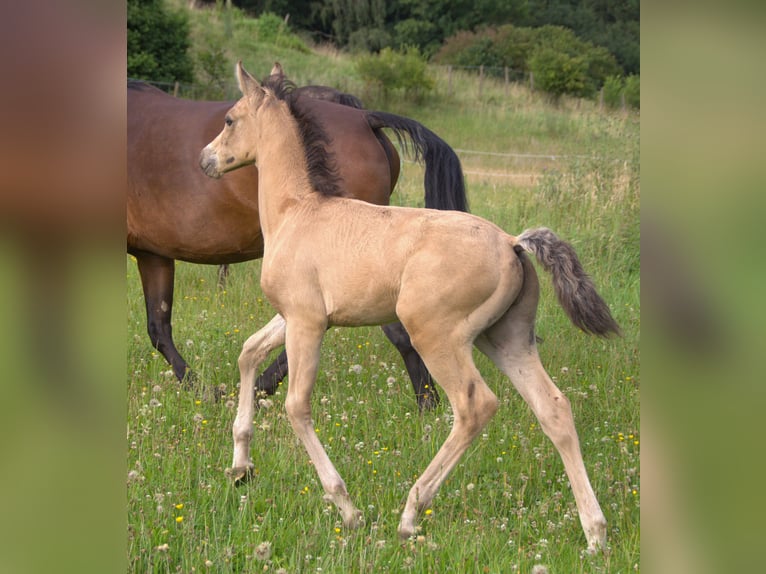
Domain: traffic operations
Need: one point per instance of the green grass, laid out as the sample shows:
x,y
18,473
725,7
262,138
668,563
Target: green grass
x,y
508,505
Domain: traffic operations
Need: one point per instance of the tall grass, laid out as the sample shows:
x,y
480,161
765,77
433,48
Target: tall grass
x,y
508,506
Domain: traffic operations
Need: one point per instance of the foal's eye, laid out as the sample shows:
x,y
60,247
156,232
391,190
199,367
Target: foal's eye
x,y
228,121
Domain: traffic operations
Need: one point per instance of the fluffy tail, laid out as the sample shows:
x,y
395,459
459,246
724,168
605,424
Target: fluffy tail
x,y
444,182
573,287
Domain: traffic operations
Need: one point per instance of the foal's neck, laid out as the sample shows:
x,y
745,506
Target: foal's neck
x,y
282,169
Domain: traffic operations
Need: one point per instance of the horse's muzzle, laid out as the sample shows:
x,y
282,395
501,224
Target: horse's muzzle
x,y
209,163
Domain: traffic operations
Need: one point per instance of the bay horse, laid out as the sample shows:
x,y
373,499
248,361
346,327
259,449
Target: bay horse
x,y
454,280
175,212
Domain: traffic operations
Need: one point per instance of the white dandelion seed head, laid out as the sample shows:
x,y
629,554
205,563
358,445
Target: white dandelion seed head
x,y
263,551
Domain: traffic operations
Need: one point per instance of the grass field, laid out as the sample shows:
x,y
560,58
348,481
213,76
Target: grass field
x,y
508,506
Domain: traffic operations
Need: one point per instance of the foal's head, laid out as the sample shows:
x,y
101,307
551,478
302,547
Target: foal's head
x,y
233,147
246,122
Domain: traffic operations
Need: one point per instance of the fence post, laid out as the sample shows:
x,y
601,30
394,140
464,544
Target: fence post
x,y
506,81
481,79
601,98
176,86
531,81
449,80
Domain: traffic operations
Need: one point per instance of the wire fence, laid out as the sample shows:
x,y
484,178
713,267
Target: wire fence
x,y
483,77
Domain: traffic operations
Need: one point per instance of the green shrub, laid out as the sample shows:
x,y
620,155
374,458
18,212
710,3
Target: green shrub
x,y
613,88
390,70
558,73
620,91
550,49
272,29
270,26
158,42
633,91
584,66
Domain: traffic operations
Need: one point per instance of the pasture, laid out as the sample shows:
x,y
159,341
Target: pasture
x,y
507,507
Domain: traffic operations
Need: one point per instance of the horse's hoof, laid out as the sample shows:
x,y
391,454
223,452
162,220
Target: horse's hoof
x,y
354,521
240,474
427,402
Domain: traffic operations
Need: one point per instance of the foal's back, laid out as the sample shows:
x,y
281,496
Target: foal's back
x,y
418,257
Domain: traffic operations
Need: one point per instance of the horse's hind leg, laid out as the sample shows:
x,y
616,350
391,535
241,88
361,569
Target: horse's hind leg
x,y
223,275
473,405
510,343
422,384
254,352
157,276
269,379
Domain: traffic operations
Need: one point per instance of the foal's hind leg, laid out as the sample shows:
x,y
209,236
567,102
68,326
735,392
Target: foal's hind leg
x,y
254,352
473,405
511,345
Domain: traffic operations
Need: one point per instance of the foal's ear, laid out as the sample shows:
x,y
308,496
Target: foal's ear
x,y
277,70
248,85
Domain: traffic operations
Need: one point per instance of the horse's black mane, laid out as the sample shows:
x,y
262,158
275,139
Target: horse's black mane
x,y
322,167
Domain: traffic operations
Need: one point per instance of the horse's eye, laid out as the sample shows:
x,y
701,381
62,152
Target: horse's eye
x,y
228,121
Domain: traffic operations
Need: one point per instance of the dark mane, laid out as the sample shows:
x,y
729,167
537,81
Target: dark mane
x,y
322,167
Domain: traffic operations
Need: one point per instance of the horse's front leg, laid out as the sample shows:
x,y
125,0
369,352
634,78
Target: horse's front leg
x,y
254,352
157,276
304,340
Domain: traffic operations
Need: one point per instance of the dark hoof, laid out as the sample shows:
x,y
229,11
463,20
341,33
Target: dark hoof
x,y
240,474
428,402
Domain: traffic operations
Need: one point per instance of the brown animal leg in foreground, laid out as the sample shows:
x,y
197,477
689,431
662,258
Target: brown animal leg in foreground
x,y
157,275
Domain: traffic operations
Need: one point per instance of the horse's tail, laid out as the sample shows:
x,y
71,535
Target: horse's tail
x,y
444,182
574,289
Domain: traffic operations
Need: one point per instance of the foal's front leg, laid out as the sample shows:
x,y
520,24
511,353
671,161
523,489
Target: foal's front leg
x,y
303,342
254,352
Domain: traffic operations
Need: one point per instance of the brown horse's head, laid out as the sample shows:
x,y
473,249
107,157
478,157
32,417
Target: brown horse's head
x,y
233,148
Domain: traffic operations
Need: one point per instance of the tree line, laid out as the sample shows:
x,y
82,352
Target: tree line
x,y
575,47
371,25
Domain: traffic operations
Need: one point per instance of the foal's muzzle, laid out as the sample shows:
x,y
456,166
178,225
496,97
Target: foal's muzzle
x,y
208,161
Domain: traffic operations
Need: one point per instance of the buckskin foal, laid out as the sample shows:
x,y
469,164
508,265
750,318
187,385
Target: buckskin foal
x,y
454,280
